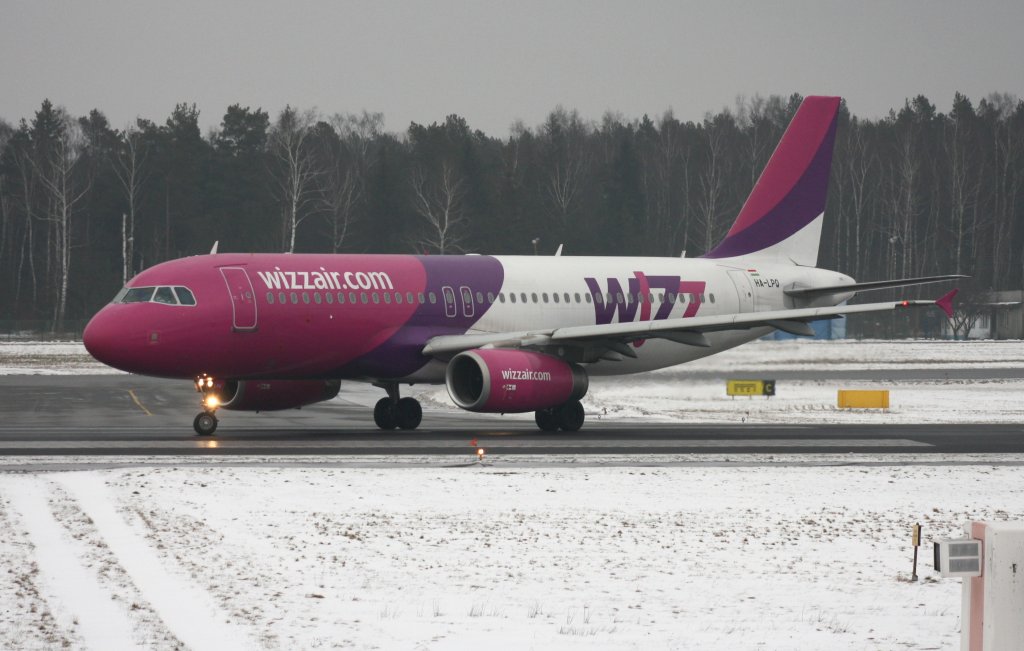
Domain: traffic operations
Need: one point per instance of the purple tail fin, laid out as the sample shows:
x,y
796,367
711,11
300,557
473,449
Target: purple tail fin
x,y
781,219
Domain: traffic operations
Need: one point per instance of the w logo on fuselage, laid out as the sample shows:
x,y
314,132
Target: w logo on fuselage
x,y
622,305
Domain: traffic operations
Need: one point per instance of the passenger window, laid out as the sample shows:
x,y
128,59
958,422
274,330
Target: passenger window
x,y
138,295
295,298
522,296
165,295
587,297
619,297
341,298
281,298
433,298
566,296
670,297
490,297
533,295
408,298
554,296
479,298
352,298
270,298
376,298
387,298
305,297
329,297
501,297
398,298
544,296
712,297
421,298
316,298
511,297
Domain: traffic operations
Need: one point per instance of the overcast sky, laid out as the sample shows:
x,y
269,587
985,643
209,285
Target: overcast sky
x,y
494,63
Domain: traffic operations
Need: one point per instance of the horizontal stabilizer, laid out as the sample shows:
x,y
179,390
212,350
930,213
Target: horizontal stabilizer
x,y
810,292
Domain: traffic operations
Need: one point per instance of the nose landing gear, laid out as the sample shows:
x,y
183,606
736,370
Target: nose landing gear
x,y
205,423
392,412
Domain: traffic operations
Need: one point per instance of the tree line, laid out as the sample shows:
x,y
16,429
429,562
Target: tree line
x,y
85,205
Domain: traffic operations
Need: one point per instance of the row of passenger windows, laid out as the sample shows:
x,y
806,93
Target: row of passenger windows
x,y
165,295
522,297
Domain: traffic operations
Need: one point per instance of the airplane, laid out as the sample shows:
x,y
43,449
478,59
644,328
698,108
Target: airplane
x,y
506,334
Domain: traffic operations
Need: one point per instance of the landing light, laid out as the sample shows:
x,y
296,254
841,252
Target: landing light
x,y
480,454
212,402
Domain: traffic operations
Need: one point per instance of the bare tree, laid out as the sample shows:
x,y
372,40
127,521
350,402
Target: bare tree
x,y
439,202
128,165
565,140
712,180
294,170
65,186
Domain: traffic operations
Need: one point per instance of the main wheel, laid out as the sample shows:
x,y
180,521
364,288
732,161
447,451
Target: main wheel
x,y
408,413
571,416
205,424
546,419
385,414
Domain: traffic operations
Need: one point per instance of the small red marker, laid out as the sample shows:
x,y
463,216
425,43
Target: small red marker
x,y
473,443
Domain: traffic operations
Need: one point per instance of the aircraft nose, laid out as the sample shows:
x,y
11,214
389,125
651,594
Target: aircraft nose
x,y
103,338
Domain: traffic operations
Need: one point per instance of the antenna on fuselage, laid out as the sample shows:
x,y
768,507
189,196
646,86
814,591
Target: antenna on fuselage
x,y
559,251
214,249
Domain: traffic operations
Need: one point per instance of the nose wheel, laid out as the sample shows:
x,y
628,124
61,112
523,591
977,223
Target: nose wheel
x,y
205,423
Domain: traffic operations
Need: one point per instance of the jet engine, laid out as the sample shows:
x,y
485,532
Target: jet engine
x,y
272,395
510,381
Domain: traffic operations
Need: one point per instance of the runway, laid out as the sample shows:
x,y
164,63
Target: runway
x,y
128,415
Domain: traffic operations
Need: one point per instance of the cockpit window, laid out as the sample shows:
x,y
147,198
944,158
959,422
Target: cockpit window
x,y
164,295
138,295
185,296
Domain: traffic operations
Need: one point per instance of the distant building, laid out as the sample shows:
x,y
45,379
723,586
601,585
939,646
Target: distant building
x,y
1001,318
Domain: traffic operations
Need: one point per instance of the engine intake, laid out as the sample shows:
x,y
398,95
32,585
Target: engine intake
x,y
273,395
511,381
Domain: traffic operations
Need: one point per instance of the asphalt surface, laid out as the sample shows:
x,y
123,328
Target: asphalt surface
x,y
130,415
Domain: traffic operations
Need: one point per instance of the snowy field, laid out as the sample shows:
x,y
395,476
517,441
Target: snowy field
x,y
785,552
462,558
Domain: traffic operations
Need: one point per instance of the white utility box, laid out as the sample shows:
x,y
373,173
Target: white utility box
x,y
993,601
961,557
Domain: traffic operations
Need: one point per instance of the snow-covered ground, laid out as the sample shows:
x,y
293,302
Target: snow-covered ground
x,y
499,557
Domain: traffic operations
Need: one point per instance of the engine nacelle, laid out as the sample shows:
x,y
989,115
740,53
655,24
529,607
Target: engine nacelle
x,y
273,395
510,381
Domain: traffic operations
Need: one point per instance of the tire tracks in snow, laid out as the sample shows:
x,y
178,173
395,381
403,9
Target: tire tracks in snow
x,y
189,612
80,603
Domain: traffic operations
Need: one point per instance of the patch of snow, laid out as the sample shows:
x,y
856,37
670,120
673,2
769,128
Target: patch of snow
x,y
567,558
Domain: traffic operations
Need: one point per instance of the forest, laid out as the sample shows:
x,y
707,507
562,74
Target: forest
x,y
84,205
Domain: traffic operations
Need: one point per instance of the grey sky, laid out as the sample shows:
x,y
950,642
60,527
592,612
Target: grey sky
x,y
494,63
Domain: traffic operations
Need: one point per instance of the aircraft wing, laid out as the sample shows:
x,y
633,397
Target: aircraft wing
x,y
688,331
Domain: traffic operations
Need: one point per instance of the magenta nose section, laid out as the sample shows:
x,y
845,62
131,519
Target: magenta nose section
x,y
104,339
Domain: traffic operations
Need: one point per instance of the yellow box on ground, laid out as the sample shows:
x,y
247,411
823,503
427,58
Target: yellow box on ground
x,y
744,388
861,399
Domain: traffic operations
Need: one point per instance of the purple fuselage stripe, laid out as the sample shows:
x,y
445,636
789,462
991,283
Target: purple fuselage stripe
x,y
401,354
794,212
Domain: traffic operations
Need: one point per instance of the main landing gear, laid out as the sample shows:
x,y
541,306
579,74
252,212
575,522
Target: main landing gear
x,y
395,412
568,417
205,423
